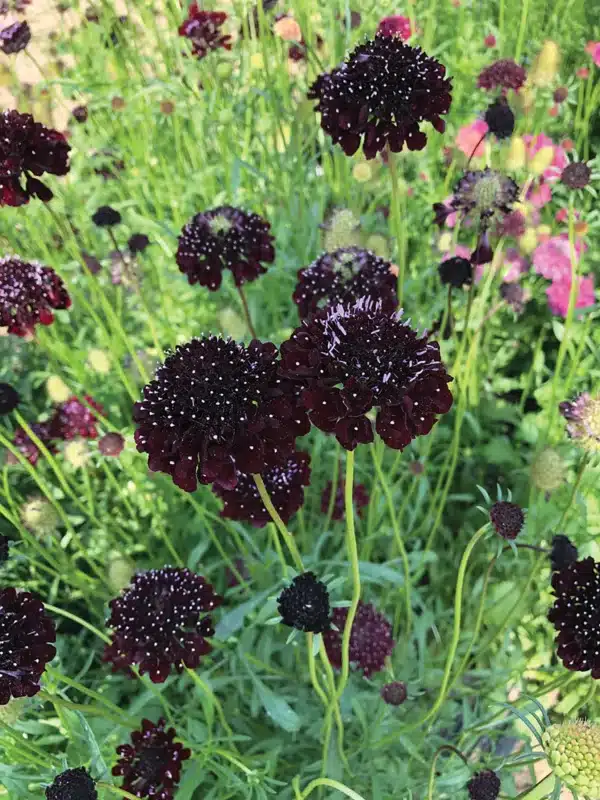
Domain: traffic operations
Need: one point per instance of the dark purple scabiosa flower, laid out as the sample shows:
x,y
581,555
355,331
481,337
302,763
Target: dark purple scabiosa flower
x,y
380,95
26,633
503,74
394,693
360,499
74,419
28,149
15,38
111,444
371,639
285,485
151,764
4,549
216,408
484,785
563,553
80,114
576,175
9,399
355,358
157,622
395,25
456,271
137,243
224,238
576,615
28,294
106,217
27,446
513,224
500,119
304,604
583,416
507,518
345,276
203,29
73,784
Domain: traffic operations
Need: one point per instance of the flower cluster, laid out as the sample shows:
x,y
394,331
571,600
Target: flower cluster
x,y
28,149
203,29
72,784
371,639
304,604
503,74
28,294
351,359
380,95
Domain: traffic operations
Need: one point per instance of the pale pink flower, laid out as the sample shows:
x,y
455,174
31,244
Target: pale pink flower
x,y
470,136
539,195
552,259
559,161
583,73
514,264
593,48
395,25
458,250
559,291
563,215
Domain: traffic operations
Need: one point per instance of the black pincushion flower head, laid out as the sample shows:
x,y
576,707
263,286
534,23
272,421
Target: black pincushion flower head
x,y
576,615
285,485
216,408
9,398
304,604
371,639
380,95
507,518
500,119
563,553
15,38
28,294
72,784
106,217
355,358
345,276
160,622
484,785
74,419
28,149
27,634
151,764
203,29
137,243
456,271
504,74
576,175
224,238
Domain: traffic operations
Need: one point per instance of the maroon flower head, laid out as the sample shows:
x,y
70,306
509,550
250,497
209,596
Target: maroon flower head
x,y
221,238
370,641
72,784
74,419
157,625
26,633
137,243
9,399
28,293
576,175
507,518
80,114
15,38
111,444
500,119
304,604
360,499
576,615
355,358
563,552
456,271
203,29
394,694
380,95
27,446
395,25
484,785
151,764
503,74
216,408
27,149
345,276
285,485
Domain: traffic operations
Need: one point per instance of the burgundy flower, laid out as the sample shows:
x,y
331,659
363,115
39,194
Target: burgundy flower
x,y
456,271
80,114
380,95
500,119
15,38
351,359
27,447
28,148
203,29
507,518
9,398
221,238
360,499
503,74
151,764
216,407
484,785
73,419
28,293
285,485
304,604
576,615
157,625
576,175
26,634
345,276
395,25
137,243
111,444
72,784
370,641
394,693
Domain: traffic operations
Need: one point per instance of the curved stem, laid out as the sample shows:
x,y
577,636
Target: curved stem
x,y
212,697
568,506
312,671
333,785
440,750
251,327
78,620
287,536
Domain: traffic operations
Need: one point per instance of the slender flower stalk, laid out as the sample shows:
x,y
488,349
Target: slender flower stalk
x,y
287,536
251,327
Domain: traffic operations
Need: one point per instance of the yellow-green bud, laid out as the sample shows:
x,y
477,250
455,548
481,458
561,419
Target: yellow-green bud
x,y
342,230
57,389
77,452
98,361
548,470
573,751
39,516
378,244
120,571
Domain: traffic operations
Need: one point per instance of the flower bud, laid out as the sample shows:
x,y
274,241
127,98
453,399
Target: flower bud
x,y
548,470
573,751
541,160
57,389
39,516
546,64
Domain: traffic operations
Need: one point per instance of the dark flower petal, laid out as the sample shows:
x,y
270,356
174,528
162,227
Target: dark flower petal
x,y
28,292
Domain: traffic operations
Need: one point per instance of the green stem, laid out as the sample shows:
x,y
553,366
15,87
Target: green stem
x,y
251,327
333,785
585,460
78,620
312,671
540,790
522,27
287,536
440,750
397,229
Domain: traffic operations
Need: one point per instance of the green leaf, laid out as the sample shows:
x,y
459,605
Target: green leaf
x,y
277,708
233,620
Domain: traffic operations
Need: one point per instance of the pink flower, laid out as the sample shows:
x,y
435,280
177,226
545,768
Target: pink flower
x,y
562,215
539,195
559,161
458,250
396,25
593,48
470,136
514,264
552,259
558,295
583,73
490,40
